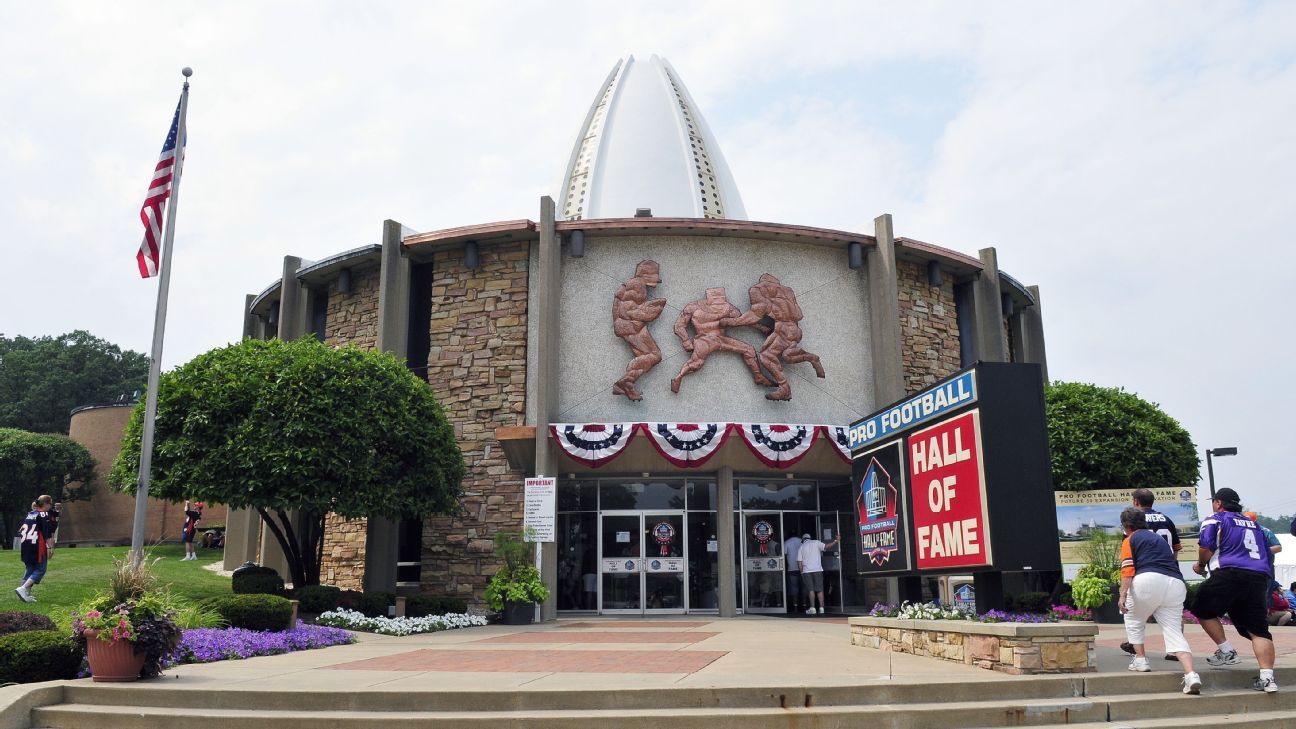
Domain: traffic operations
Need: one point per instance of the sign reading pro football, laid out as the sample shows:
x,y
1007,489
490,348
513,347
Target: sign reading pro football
x,y
949,498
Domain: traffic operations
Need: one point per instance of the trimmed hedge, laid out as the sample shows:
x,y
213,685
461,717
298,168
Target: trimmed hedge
x,y
253,612
38,655
317,598
423,605
254,580
15,622
372,604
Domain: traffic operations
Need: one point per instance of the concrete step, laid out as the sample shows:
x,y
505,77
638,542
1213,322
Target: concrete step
x,y
1176,709
1249,720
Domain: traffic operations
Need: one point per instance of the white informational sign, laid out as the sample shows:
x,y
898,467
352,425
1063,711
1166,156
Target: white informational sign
x,y
538,508
713,545
623,537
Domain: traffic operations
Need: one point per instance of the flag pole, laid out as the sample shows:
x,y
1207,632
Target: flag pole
x,y
159,328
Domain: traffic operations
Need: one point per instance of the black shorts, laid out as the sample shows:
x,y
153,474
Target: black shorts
x,y
1242,594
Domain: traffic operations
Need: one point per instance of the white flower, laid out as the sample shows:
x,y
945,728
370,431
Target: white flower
x,y
342,618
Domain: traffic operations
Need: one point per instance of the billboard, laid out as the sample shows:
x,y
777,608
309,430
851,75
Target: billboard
x,y
1081,513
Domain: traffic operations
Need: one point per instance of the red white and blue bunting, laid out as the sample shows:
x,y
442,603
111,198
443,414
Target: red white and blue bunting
x,y
776,444
687,445
836,434
593,444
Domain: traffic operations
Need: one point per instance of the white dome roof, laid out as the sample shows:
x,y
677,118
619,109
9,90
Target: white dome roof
x,y
645,145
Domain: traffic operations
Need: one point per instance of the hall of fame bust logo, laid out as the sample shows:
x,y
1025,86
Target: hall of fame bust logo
x,y
877,514
630,565
664,534
762,532
772,563
656,564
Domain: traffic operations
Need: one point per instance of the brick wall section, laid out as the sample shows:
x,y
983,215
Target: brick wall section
x,y
351,319
928,327
477,366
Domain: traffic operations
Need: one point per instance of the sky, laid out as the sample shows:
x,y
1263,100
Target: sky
x,y
1133,159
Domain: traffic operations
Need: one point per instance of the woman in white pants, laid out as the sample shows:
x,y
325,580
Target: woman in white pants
x,y
1153,586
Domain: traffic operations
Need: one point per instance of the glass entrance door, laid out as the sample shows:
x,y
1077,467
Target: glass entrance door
x,y
763,567
827,529
642,562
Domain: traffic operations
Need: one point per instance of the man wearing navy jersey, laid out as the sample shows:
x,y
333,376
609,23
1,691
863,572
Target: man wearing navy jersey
x,y
1233,549
1152,586
1158,523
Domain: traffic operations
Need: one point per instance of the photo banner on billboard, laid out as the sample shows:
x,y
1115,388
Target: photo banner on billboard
x,y
1082,513
951,524
881,495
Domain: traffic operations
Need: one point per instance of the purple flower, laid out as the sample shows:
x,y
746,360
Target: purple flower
x,y
205,645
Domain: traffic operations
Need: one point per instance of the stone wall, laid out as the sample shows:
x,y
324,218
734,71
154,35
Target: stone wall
x,y
477,366
350,319
928,327
1017,648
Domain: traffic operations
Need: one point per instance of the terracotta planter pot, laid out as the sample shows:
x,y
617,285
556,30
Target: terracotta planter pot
x,y
112,660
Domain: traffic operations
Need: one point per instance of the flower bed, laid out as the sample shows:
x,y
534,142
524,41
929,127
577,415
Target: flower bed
x,y
206,645
354,620
1000,641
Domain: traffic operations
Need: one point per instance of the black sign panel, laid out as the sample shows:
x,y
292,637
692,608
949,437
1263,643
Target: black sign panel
x,y
881,509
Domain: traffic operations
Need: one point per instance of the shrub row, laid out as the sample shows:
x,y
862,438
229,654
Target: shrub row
x,y
253,612
38,655
254,580
22,622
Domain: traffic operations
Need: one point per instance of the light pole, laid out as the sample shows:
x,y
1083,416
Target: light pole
x,y
1210,470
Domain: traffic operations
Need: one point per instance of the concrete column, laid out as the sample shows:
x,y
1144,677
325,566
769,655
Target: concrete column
x,y
725,536
1032,321
250,320
382,535
292,310
884,316
549,280
990,343
242,537
292,320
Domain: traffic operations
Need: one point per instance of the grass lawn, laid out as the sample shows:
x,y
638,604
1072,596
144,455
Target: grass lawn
x,y
77,573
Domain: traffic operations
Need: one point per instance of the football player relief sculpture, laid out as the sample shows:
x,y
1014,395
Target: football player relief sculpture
x,y
773,311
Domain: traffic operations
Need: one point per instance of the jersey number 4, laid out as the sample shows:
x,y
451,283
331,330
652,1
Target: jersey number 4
x,y
1248,539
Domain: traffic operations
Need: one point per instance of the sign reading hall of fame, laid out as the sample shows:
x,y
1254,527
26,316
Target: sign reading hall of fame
x,y
880,496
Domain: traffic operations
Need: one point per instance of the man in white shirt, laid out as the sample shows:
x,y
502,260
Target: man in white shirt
x,y
791,554
810,559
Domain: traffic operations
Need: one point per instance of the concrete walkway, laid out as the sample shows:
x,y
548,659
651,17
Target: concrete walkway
x,y
598,653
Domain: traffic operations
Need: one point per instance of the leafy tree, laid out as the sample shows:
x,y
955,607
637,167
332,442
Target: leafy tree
x,y
32,464
1106,438
42,379
1280,524
279,426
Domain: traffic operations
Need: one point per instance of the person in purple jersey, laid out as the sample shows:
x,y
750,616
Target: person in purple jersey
x,y
1233,548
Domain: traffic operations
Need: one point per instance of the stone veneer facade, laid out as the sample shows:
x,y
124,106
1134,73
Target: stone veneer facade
x,y
1017,648
350,319
477,367
928,327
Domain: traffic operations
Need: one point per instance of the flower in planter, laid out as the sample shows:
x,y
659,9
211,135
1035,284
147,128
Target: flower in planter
x,y
133,609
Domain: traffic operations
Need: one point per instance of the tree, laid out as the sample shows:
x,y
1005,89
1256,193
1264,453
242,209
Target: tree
x,y
1106,438
279,426
32,464
42,379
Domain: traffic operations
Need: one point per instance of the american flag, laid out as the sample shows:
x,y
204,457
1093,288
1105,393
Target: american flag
x,y
150,250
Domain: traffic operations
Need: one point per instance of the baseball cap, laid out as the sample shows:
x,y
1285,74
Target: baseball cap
x,y
806,535
1227,495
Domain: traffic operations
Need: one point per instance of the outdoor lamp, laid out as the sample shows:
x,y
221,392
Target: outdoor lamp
x,y
1210,468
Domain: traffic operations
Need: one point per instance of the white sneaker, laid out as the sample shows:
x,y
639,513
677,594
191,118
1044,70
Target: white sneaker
x,y
1223,659
24,595
810,611
1267,685
1139,664
1192,684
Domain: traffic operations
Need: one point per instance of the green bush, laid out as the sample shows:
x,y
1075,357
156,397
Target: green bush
x,y
1191,599
372,604
1090,592
253,612
423,605
23,622
317,598
257,581
38,655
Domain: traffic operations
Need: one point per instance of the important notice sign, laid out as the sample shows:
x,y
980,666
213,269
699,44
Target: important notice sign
x,y
538,508
949,498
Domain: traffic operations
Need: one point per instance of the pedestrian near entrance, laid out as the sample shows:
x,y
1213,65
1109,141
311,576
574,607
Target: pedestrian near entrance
x,y
1160,525
792,555
810,560
1152,586
190,528
36,536
1232,547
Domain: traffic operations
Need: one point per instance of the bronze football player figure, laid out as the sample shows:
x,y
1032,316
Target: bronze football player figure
x,y
632,311
771,299
705,316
